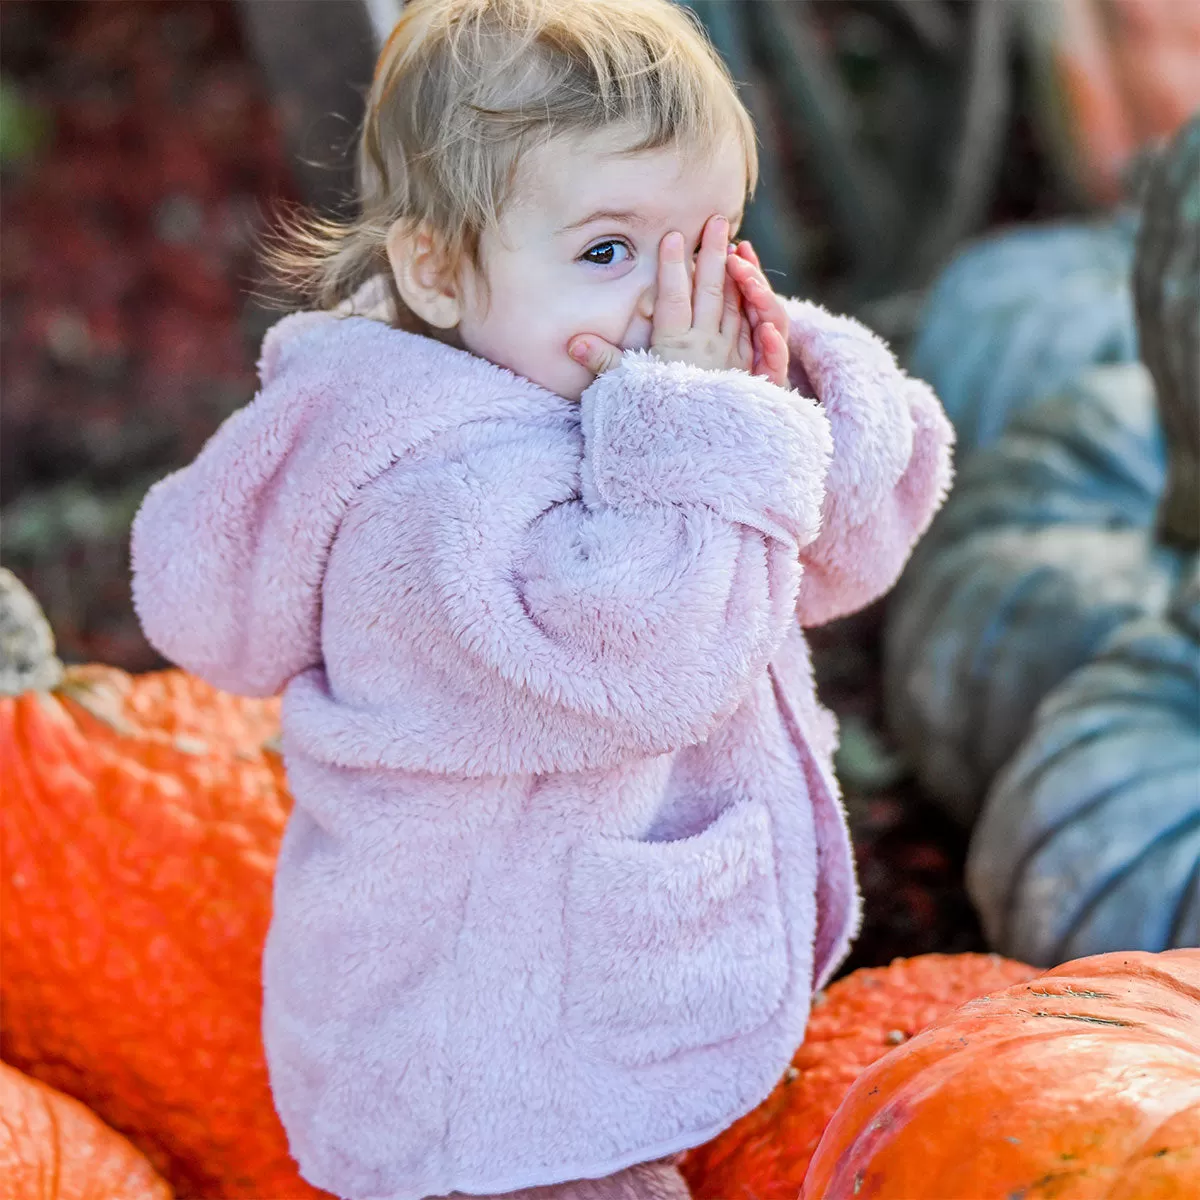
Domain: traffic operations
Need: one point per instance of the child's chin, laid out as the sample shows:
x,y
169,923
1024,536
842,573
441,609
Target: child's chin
x,y
574,390
569,383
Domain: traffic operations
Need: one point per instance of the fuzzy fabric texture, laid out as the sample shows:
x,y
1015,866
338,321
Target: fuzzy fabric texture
x,y
566,861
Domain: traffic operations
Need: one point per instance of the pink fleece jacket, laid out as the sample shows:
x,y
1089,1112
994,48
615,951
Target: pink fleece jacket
x,y
567,860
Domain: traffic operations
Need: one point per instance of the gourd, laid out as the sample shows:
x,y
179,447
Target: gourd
x,y
54,1148
855,1021
1109,77
1049,542
1018,314
1090,838
1043,548
1082,1083
138,837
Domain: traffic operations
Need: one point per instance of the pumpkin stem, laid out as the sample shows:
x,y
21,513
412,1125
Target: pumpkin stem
x,y
1166,287
27,659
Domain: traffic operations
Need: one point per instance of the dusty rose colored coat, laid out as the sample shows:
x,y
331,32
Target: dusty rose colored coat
x,y
566,861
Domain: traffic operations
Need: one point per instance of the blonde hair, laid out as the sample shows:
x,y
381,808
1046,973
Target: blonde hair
x,y
463,88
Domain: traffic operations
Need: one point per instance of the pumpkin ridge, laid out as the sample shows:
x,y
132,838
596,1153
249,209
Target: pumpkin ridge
x,y
845,1158
989,641
51,1145
1090,900
1141,997
908,654
1116,683
60,734
1043,840
1087,719
1099,460
1162,1130
1183,903
1121,869
42,728
100,699
1149,972
907,1084
1149,969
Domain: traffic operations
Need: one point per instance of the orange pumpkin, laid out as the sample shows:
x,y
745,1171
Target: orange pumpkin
x,y
1080,1084
54,1148
1113,75
138,837
855,1021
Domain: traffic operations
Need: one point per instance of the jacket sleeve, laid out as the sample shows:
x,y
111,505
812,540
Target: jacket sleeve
x,y
698,490
891,466
622,600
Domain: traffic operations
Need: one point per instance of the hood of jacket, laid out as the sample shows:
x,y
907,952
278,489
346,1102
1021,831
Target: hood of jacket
x,y
342,398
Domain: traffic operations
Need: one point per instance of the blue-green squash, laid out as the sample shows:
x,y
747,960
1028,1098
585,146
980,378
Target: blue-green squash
x,y
1057,533
1018,314
1045,545
1089,839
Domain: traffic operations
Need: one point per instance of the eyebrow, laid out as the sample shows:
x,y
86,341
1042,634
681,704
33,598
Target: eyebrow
x,y
626,216
606,214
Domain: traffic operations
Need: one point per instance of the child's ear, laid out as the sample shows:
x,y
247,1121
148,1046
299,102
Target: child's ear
x,y
419,269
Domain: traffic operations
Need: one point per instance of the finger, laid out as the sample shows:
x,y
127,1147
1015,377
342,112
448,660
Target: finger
x,y
595,353
709,301
741,268
745,348
767,307
762,362
759,298
733,313
761,366
748,253
672,301
741,271
775,354
750,277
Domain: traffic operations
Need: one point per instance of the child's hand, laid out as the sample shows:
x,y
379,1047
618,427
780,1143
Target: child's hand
x,y
701,321
765,311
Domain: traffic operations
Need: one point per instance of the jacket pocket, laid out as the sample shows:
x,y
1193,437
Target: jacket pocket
x,y
672,946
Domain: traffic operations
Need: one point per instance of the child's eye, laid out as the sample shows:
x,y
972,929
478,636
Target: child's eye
x,y
602,248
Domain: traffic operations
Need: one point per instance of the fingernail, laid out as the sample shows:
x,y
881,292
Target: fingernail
x,y
579,351
731,249
673,241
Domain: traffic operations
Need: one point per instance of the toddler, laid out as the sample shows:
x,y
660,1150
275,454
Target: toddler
x,y
525,522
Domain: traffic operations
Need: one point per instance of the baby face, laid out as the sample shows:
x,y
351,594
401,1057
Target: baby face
x,y
577,250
